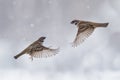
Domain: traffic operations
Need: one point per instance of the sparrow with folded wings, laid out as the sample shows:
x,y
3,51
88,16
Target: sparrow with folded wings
x,y
37,50
85,29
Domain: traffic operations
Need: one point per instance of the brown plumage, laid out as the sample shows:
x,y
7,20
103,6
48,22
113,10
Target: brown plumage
x,y
85,29
36,49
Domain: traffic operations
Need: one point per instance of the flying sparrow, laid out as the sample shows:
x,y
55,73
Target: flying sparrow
x,y
37,50
85,29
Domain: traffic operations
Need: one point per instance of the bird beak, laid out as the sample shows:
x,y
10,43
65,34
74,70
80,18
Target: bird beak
x,y
41,39
75,22
72,22
44,37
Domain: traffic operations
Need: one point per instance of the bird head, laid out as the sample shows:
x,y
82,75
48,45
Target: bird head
x,y
75,22
41,39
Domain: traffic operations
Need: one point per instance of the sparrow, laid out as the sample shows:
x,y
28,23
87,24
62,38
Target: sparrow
x,y
85,29
38,50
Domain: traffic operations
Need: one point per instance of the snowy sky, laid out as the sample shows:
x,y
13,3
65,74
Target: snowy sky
x,y
24,21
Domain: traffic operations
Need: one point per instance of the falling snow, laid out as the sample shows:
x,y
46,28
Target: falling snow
x,y
24,21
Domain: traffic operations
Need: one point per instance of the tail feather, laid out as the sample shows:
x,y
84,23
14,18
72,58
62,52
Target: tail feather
x,y
20,54
101,24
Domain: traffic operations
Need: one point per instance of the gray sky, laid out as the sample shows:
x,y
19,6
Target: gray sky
x,y
24,21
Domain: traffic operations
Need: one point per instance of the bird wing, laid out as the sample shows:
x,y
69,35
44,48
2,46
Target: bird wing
x,y
43,52
84,31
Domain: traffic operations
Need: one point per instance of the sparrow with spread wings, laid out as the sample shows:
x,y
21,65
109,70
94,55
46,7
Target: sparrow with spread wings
x,y
85,29
37,50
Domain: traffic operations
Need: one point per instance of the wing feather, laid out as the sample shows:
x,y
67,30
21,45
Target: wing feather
x,y
44,52
82,34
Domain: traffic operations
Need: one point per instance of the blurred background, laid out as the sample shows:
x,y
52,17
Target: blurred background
x,y
24,21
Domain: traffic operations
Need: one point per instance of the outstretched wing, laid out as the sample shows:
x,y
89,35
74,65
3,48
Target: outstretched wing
x,y
84,31
43,52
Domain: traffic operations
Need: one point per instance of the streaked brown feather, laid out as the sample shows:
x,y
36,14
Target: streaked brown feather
x,y
84,31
